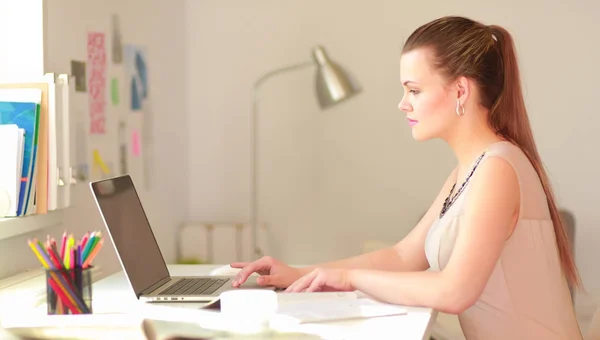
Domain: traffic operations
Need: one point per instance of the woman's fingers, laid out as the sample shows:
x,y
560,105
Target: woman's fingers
x,y
316,284
302,283
261,265
239,264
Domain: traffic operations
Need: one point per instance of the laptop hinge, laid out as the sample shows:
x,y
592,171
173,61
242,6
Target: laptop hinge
x,y
155,286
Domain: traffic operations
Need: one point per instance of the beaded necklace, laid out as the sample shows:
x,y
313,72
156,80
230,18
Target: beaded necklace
x,y
451,199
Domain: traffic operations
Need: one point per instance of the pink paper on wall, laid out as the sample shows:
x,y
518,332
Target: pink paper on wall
x,y
96,52
136,147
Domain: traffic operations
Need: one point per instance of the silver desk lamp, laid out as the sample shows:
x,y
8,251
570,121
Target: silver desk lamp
x,y
332,86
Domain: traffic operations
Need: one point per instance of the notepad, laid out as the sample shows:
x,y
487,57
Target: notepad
x,y
289,298
335,309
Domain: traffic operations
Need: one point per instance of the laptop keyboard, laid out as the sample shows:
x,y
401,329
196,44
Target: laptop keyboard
x,y
195,286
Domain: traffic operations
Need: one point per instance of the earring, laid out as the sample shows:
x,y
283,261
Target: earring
x,y
460,110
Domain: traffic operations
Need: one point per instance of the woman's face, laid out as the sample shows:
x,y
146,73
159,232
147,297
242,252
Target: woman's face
x,y
428,103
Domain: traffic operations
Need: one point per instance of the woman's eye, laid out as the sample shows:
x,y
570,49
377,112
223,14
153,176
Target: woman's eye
x,y
414,91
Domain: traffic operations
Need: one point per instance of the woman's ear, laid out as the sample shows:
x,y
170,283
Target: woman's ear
x,y
463,88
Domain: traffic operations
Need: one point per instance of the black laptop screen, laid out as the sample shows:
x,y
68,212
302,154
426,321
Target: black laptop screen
x,y
130,232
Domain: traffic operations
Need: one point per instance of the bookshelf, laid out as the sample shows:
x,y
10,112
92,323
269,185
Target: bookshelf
x,y
14,226
26,69
56,170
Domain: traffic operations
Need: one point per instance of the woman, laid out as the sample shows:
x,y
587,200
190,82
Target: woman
x,y
494,244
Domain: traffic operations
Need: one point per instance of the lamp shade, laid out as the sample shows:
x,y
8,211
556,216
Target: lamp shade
x,y
333,84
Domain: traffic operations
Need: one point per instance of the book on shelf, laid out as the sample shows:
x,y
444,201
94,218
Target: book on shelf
x,y
28,122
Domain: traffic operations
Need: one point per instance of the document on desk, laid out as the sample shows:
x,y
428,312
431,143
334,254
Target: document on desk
x,y
289,298
335,310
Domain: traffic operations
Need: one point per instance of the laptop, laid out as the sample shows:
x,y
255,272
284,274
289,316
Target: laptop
x,y
139,254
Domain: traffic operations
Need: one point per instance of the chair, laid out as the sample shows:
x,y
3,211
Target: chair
x,y
593,331
569,223
585,303
447,327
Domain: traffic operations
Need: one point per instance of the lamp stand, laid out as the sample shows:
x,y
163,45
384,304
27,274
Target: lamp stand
x,y
257,252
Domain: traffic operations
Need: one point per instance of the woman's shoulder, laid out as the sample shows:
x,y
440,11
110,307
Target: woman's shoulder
x,y
533,196
512,153
504,147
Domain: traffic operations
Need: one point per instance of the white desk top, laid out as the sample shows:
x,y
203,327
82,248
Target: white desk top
x,y
114,295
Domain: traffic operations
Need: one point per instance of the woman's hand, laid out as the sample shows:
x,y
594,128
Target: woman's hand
x,y
323,279
273,272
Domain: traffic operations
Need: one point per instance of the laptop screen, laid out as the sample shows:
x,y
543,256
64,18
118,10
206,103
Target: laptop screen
x,y
130,232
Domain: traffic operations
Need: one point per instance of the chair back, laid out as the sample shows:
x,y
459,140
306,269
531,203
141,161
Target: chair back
x,y
569,223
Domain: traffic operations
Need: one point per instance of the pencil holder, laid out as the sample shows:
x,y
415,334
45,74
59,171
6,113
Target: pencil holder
x,y
69,291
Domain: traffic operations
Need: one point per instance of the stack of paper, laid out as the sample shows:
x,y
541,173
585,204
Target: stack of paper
x,y
334,309
19,123
11,156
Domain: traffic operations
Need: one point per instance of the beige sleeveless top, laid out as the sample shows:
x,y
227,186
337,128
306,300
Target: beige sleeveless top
x,y
527,296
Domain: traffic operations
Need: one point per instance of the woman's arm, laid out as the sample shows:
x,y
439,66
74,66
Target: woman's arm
x,y
406,255
383,259
491,210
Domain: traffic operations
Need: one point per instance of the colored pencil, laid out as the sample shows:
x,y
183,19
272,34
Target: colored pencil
x,y
65,267
95,251
64,298
63,245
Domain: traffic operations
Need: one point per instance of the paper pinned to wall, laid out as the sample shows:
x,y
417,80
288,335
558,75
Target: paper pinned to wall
x,y
117,45
137,84
136,76
100,163
123,148
96,50
114,91
78,72
136,146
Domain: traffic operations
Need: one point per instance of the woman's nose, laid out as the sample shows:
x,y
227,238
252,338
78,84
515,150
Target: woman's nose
x,y
404,106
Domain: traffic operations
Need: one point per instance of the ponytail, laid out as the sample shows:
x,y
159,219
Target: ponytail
x,y
508,117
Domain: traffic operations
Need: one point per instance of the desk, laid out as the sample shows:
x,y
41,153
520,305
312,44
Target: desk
x,y
114,295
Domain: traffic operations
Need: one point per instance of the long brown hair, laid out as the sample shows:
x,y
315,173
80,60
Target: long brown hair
x,y
486,54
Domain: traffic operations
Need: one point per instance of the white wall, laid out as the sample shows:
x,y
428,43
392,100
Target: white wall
x,y
333,179
160,26
22,52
